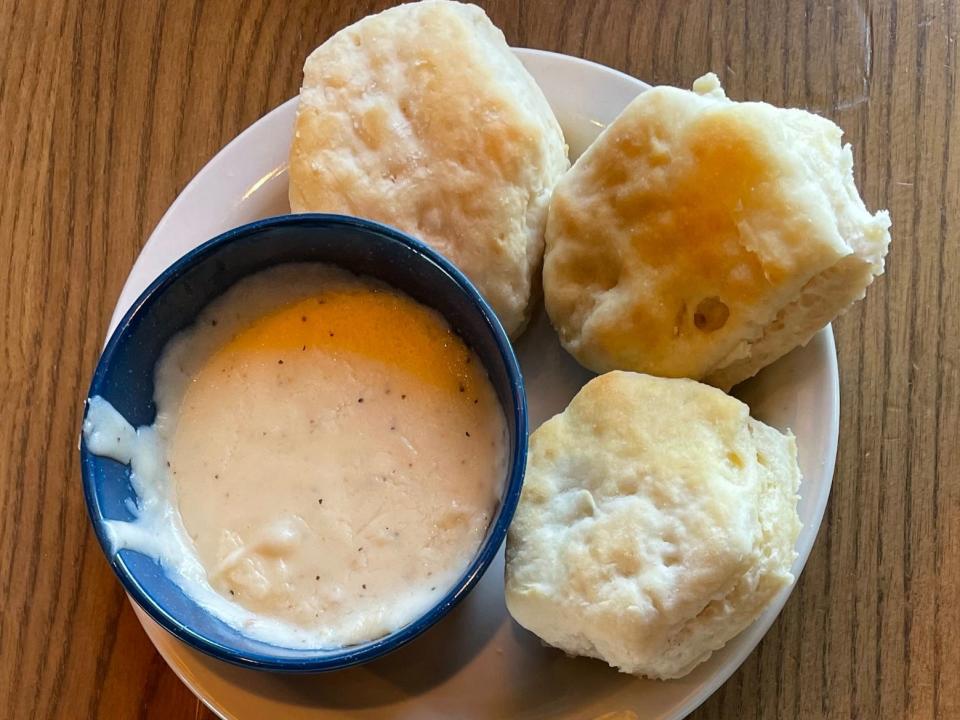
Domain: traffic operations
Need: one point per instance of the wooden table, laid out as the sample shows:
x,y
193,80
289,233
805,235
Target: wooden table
x,y
108,108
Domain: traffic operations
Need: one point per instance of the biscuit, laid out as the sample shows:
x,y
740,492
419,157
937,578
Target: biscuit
x,y
421,117
657,521
704,238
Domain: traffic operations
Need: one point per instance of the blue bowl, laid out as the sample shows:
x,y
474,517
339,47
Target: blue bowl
x,y
124,377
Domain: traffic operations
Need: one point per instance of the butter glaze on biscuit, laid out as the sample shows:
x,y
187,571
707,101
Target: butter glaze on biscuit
x,y
704,238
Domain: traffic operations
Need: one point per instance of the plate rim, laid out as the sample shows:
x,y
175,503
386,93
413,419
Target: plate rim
x,y
759,628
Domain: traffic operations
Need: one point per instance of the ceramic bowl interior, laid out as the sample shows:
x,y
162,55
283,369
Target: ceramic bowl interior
x,y
124,377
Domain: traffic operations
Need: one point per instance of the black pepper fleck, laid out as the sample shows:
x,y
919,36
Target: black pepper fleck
x,y
216,477
359,400
364,586
168,463
318,577
434,587
467,434
403,397
462,388
303,318
331,334
303,348
393,427
214,323
359,549
279,362
231,592
475,401
320,501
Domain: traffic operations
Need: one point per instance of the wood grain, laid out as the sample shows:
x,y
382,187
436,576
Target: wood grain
x,y
108,108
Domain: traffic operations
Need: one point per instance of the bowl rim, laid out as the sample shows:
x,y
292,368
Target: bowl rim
x,y
351,655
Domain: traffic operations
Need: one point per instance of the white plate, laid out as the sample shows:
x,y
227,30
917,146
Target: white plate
x,y
477,662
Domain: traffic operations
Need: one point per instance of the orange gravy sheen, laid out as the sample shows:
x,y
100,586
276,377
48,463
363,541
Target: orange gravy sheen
x,y
336,451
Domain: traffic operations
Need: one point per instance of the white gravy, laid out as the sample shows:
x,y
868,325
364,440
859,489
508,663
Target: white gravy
x,y
325,461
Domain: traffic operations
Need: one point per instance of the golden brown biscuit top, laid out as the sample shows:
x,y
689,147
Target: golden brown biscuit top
x,y
681,232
